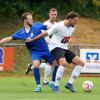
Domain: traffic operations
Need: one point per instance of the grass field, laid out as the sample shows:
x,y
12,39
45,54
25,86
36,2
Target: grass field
x,y
22,88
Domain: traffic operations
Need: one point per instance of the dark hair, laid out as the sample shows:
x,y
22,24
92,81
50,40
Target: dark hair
x,y
52,9
24,15
72,14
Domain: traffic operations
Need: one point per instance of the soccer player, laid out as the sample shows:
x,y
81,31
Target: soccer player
x,y
49,23
38,48
61,36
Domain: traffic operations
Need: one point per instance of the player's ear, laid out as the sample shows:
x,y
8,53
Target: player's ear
x,y
25,20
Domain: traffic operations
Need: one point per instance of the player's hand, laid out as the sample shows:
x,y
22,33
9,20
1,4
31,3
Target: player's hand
x,y
29,40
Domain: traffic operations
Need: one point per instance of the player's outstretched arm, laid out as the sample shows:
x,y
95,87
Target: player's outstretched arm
x,y
43,34
5,40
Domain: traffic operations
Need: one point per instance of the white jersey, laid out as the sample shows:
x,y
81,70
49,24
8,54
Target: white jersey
x,y
61,36
49,25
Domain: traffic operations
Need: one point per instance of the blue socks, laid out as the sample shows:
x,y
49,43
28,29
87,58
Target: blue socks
x,y
37,75
54,73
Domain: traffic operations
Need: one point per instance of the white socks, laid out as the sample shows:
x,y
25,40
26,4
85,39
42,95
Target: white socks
x,y
59,75
75,73
47,72
42,66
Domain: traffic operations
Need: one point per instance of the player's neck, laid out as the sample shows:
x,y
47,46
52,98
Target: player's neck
x,y
66,23
52,21
27,28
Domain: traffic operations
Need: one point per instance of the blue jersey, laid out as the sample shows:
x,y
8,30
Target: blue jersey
x,y
37,45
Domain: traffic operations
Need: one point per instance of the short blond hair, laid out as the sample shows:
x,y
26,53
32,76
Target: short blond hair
x,y
52,9
24,15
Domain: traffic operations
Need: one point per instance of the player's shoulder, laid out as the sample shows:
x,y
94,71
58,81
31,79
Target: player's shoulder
x,y
55,22
59,24
46,22
21,30
39,25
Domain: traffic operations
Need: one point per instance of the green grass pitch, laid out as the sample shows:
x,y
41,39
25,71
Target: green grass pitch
x,y
22,88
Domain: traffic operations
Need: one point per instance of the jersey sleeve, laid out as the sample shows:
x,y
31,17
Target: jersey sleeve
x,y
44,28
45,23
52,30
19,35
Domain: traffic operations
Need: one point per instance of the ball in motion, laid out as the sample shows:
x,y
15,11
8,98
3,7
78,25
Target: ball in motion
x,y
87,86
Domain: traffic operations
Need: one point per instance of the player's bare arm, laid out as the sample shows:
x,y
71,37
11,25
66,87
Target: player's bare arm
x,y
43,34
5,40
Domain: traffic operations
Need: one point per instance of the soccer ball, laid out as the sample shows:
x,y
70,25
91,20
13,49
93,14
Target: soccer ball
x,y
87,86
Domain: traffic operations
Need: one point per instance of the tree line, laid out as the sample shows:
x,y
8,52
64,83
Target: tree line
x,y
39,8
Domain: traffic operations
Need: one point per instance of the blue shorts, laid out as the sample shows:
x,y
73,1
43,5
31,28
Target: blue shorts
x,y
42,55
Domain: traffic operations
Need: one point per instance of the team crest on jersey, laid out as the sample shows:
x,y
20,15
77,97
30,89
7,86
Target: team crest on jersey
x,y
31,35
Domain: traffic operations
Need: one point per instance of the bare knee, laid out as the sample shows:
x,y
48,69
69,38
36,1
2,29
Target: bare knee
x,y
78,61
36,63
81,63
62,62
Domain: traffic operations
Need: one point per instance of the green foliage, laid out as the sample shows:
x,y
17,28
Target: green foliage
x,y
39,8
12,8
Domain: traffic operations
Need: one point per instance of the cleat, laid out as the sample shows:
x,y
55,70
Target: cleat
x,y
70,87
51,85
45,83
56,89
28,68
38,88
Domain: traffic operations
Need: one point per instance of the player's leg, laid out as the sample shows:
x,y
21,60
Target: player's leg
x,y
50,59
36,74
31,66
43,65
47,72
59,56
71,57
59,73
36,60
54,74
